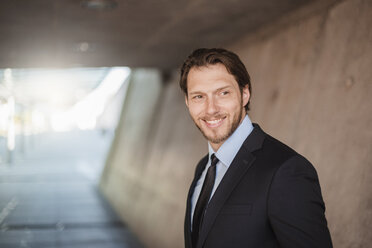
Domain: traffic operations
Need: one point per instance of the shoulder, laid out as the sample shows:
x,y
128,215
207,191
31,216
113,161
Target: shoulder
x,y
290,164
281,156
273,150
259,142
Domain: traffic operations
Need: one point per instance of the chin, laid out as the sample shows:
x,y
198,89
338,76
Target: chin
x,y
217,139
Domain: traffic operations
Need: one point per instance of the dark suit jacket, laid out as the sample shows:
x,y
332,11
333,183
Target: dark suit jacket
x,y
269,197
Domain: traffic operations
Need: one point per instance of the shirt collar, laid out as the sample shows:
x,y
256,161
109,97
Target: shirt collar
x,y
226,153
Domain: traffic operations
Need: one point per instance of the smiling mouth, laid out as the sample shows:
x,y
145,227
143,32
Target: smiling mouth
x,y
214,123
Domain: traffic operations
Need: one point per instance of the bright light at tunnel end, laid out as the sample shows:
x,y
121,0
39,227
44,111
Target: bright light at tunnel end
x,y
84,114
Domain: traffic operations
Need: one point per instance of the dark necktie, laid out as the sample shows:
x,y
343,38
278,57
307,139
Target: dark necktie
x,y
203,200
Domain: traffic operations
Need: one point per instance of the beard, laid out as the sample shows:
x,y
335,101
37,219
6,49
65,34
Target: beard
x,y
217,138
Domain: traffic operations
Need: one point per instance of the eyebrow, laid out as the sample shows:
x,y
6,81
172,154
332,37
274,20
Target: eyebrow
x,y
219,89
223,88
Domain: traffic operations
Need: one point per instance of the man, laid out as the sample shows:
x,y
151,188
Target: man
x,y
250,190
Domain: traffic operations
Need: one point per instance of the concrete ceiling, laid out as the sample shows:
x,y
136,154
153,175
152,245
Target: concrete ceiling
x,y
136,33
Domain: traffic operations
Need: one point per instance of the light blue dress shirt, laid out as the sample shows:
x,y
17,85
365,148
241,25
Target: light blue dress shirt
x,y
225,154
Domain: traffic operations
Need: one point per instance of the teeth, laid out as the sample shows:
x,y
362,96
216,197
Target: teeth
x,y
214,121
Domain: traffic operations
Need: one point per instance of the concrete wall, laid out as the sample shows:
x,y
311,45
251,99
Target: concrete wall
x,y
312,88
311,74
152,160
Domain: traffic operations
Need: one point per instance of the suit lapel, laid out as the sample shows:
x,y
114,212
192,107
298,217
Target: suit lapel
x,y
237,169
232,177
187,229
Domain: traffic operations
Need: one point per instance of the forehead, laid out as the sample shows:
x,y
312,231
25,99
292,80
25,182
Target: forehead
x,y
210,77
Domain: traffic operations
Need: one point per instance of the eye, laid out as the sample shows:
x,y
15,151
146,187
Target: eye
x,y
224,93
197,97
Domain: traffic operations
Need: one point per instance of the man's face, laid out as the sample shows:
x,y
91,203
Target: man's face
x,y
215,102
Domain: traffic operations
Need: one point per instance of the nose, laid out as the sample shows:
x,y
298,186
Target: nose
x,y
212,106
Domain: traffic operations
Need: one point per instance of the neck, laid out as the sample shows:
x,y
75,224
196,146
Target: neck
x,y
216,146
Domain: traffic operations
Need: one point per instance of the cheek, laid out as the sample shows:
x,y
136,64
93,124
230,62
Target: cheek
x,y
232,105
195,109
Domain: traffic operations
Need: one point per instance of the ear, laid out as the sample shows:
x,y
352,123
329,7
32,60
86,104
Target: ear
x,y
186,100
245,95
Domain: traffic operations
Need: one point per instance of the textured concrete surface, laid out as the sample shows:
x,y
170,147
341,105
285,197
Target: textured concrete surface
x,y
311,89
146,33
152,161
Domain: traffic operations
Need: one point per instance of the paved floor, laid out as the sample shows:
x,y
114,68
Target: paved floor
x,y
49,197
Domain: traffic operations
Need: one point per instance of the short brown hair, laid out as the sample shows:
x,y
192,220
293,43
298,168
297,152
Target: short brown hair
x,y
211,56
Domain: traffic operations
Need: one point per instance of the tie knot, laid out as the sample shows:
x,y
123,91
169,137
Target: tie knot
x,y
214,160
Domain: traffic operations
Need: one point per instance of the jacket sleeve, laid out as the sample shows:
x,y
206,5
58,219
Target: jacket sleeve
x,y
296,207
